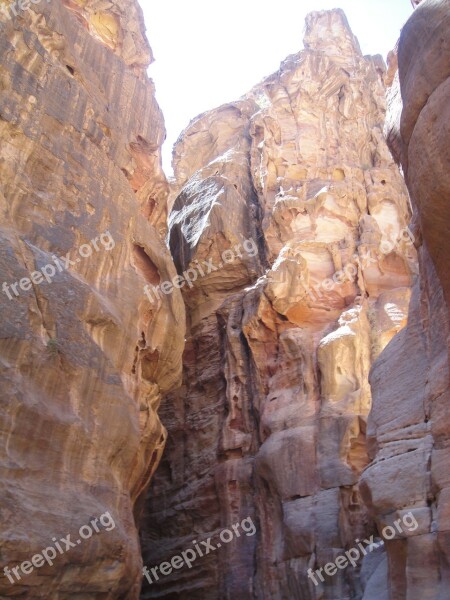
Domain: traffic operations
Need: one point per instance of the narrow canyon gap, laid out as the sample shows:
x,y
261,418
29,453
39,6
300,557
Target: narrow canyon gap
x,y
271,421
299,377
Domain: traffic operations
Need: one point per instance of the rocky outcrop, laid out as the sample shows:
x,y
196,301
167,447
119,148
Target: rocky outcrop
x,y
292,207
409,425
84,355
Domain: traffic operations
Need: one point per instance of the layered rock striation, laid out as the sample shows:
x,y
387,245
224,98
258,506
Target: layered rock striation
x,y
84,355
409,425
288,228
292,198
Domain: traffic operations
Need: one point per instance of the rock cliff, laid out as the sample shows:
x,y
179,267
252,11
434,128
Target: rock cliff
x,y
302,307
84,355
409,425
290,222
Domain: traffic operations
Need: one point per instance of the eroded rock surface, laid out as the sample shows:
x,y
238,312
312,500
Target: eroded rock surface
x,y
85,357
409,425
271,420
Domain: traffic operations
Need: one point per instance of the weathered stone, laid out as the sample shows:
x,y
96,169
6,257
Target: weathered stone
x,y
85,358
271,421
409,424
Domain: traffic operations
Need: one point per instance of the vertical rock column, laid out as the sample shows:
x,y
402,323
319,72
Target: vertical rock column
x,y
271,420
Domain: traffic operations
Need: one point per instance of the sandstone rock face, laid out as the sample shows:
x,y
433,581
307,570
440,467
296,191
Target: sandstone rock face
x,y
409,425
292,198
84,355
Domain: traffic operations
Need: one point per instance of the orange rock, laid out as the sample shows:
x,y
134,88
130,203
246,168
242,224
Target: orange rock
x,y
271,419
409,423
85,358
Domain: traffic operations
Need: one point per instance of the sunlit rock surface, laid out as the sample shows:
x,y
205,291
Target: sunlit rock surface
x,y
84,359
271,420
410,424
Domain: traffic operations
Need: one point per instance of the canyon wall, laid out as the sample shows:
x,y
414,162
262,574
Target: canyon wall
x,y
409,425
84,355
291,224
288,227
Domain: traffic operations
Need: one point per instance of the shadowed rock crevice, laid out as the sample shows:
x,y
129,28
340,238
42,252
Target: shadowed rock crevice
x,y
271,420
409,423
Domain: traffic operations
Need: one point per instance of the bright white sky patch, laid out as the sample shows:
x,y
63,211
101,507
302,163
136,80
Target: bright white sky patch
x,y
209,53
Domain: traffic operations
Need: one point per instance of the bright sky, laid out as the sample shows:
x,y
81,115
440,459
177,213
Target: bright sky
x,y
209,53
